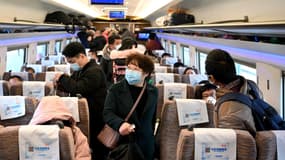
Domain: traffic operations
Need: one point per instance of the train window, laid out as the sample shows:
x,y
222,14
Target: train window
x,y
42,50
166,46
173,50
201,61
58,47
283,95
185,55
15,59
246,71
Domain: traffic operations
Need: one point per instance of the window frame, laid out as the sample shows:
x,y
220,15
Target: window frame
x,y
25,57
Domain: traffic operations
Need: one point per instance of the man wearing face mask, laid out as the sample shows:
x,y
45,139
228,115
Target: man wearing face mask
x,y
114,43
89,81
120,100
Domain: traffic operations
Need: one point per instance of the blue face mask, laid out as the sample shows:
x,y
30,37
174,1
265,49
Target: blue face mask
x,y
74,67
133,77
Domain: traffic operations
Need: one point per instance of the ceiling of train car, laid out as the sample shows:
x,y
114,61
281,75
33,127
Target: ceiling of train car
x,y
134,8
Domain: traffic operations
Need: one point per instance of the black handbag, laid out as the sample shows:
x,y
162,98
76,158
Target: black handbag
x,y
129,151
108,136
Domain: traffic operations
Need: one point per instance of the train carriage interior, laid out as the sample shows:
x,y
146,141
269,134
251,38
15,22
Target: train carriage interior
x,y
38,76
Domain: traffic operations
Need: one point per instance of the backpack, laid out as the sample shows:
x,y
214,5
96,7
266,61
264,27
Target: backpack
x,y
265,116
181,18
58,17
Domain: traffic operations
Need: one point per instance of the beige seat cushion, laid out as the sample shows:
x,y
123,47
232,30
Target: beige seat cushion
x,y
31,105
246,146
169,130
266,145
9,135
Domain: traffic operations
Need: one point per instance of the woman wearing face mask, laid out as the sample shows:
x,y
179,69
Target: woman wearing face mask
x,y
120,100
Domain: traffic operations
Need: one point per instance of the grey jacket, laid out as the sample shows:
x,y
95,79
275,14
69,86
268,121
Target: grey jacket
x,y
233,114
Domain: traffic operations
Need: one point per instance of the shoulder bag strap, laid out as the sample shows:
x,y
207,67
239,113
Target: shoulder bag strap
x,y
136,103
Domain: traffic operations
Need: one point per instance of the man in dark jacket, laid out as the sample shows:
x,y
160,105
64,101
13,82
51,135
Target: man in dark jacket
x,y
88,80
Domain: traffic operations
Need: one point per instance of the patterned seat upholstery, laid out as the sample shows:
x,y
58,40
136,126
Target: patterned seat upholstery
x,y
25,75
169,130
5,88
160,87
31,105
246,146
266,145
18,89
9,146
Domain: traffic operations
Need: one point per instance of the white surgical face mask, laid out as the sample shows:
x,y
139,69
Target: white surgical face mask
x,y
118,46
74,66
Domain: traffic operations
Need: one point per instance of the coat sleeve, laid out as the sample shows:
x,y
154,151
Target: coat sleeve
x,y
82,150
84,85
234,115
109,112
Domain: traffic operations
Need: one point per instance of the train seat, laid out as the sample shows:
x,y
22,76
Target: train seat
x,y
163,69
266,145
193,79
19,89
169,130
24,75
246,146
4,88
9,146
159,78
179,70
162,98
31,105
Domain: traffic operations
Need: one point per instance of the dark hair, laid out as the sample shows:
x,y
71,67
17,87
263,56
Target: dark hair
x,y
112,38
166,54
16,76
203,86
29,68
73,49
178,64
142,61
220,64
127,43
188,68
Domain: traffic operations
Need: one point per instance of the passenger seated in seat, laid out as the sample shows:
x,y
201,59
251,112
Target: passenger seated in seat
x,y
206,91
52,110
189,70
221,71
14,80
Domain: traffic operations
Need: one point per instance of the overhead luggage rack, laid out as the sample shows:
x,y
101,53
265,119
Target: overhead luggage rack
x,y
273,29
31,27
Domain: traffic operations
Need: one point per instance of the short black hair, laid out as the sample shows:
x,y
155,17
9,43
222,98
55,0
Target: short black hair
x,y
112,38
27,69
16,76
127,43
142,61
166,54
220,64
202,87
73,49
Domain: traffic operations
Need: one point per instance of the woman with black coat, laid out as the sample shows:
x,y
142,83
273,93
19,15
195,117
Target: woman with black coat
x,y
120,100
